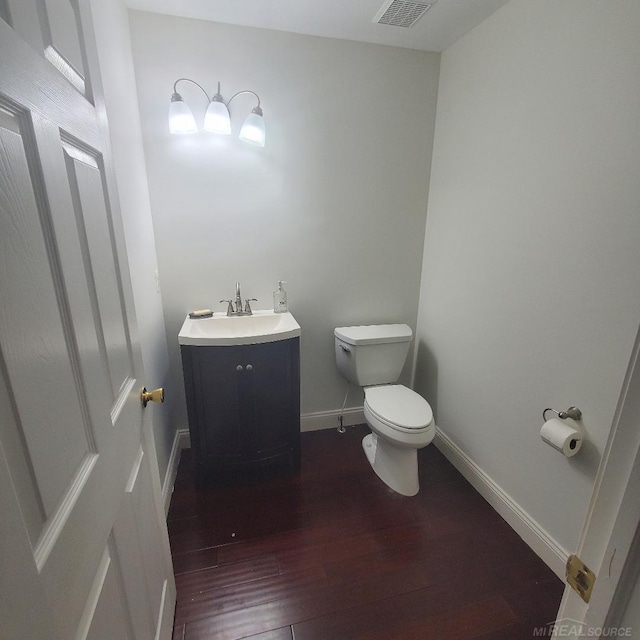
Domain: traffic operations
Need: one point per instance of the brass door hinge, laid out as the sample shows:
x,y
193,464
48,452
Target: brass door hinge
x,y
580,577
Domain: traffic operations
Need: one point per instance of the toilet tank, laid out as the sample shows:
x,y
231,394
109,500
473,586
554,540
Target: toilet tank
x,y
372,354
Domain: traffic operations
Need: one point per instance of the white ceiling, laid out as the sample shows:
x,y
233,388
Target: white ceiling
x,y
439,27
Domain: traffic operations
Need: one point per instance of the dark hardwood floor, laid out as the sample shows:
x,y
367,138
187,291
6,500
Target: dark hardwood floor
x,y
333,554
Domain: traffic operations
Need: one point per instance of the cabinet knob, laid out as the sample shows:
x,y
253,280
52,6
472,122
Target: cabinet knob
x,y
249,367
239,367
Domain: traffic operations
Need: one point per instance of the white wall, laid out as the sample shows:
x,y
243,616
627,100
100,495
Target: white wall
x,y
114,49
529,294
335,203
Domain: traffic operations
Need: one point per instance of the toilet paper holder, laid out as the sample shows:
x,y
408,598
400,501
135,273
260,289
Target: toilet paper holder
x,y
572,412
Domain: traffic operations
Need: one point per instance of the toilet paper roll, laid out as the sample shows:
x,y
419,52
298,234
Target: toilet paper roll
x,y
563,437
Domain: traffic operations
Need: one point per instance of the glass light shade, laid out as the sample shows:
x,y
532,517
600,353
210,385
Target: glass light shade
x,y
253,130
216,119
181,119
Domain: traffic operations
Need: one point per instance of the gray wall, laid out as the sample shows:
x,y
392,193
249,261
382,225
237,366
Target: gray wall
x,y
335,203
531,265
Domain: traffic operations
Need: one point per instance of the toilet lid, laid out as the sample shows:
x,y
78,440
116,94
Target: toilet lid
x,y
399,405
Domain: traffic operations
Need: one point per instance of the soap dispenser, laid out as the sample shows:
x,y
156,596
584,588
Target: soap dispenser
x,y
280,299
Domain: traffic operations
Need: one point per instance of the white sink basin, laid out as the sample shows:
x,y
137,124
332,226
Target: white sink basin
x,y
222,330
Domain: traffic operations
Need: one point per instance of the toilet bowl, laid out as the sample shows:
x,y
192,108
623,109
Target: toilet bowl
x,y
401,422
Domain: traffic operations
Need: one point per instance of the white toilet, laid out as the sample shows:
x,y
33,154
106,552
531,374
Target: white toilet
x,y
372,357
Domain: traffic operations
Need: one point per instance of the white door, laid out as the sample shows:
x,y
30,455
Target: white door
x,y
83,545
608,542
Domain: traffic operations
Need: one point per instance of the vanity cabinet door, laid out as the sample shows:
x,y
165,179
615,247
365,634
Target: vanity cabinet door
x,y
217,404
273,420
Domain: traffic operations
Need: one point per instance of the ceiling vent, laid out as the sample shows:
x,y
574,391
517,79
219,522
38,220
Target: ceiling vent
x,y
399,13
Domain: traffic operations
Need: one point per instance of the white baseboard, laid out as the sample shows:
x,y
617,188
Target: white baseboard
x,y
546,547
329,419
181,441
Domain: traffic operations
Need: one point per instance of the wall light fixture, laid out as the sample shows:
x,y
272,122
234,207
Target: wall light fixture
x,y
216,118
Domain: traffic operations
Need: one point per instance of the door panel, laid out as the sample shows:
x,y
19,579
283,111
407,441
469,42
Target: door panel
x,y
36,345
27,496
105,616
19,575
23,17
96,237
136,543
62,40
79,274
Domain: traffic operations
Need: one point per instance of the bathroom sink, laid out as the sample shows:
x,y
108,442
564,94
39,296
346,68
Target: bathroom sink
x,y
221,330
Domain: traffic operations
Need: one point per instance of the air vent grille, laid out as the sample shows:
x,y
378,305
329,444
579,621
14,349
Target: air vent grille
x,y
399,13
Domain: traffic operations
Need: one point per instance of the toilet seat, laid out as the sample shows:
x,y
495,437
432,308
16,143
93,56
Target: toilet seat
x,y
398,407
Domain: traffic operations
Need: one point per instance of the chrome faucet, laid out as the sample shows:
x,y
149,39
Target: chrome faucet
x,y
238,298
239,311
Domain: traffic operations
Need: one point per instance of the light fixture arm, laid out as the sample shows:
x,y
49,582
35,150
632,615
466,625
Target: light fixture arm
x,y
175,84
256,109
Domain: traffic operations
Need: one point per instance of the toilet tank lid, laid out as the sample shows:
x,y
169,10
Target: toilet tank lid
x,y
374,334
